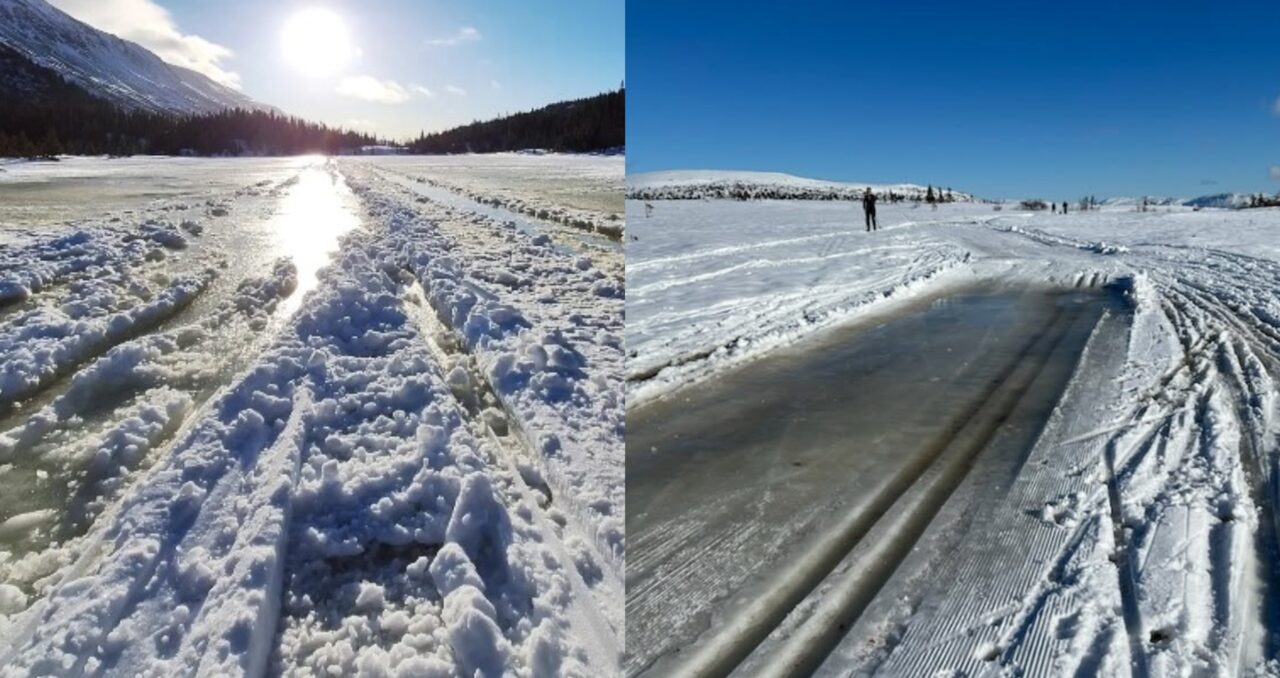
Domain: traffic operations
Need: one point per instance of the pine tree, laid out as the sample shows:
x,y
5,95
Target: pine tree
x,y
50,145
22,146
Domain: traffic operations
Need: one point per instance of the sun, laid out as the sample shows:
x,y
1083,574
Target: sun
x,y
316,42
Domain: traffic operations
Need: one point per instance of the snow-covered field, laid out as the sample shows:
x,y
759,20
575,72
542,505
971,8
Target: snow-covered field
x,y
1138,536
578,191
298,416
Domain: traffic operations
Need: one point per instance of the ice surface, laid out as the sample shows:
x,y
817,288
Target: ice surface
x,y
78,189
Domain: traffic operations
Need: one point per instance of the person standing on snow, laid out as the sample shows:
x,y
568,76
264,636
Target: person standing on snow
x,y
869,209
1064,206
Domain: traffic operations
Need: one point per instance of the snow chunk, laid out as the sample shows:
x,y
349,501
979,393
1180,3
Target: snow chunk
x,y
477,642
12,599
452,569
370,598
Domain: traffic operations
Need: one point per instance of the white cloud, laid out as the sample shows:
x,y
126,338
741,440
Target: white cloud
x,y
1274,172
370,88
150,25
455,90
422,90
464,35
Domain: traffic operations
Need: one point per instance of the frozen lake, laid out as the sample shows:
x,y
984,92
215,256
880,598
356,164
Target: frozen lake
x,y
34,194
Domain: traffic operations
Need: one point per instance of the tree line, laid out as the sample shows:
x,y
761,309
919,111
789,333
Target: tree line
x,y
41,132
582,125
1263,200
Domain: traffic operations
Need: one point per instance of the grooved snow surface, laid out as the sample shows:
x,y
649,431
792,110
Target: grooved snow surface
x,y
1139,536
579,192
415,469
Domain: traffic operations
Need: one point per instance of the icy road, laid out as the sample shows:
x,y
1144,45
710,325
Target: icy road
x,y
976,442
310,416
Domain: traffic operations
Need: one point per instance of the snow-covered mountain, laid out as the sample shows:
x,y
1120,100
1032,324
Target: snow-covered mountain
x,y
1225,200
1126,201
697,184
109,67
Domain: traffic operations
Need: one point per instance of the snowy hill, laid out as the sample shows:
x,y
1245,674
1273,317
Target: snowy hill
x,y
108,67
1224,200
697,184
1133,201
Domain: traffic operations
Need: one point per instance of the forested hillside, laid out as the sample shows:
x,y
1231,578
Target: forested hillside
x,y
582,125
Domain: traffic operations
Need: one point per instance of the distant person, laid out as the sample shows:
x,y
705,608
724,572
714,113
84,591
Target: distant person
x,y
1064,206
648,210
869,209
1054,206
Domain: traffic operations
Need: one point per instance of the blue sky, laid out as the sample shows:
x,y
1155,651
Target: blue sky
x,y
1052,99
414,64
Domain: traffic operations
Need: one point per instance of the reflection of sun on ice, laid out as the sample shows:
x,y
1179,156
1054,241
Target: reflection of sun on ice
x,y
316,42
312,218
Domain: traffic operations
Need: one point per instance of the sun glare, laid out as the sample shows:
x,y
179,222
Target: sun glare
x,y
316,42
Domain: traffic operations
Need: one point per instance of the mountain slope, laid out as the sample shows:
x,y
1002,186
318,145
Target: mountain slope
x,y
22,79
117,70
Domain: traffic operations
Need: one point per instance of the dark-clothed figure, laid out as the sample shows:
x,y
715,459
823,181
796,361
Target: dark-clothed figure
x,y
869,208
1064,206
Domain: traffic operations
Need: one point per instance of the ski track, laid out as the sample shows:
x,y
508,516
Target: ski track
x,y
298,492
535,361
1143,517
